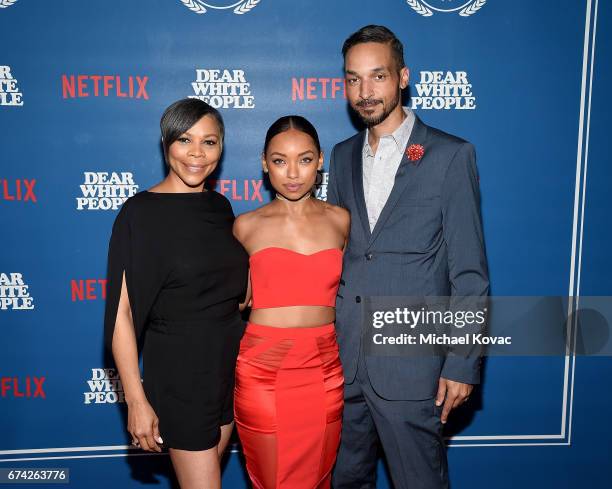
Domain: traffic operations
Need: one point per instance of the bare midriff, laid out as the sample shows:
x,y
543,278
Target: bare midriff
x,y
293,316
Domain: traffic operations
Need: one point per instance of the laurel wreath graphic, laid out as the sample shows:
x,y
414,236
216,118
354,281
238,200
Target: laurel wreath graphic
x,y
197,6
419,8
245,7
194,6
6,3
472,8
422,9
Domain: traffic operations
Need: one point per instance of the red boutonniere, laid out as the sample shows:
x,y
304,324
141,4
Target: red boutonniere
x,y
415,152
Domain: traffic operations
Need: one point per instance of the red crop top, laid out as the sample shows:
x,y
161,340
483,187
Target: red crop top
x,y
282,277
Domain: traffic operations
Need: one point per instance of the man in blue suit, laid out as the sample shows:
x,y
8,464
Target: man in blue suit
x,y
412,191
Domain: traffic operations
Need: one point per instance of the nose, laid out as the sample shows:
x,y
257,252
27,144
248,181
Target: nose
x,y
292,170
195,150
365,89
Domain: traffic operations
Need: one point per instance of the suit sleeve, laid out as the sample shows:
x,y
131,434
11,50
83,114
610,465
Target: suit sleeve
x,y
332,187
131,252
467,264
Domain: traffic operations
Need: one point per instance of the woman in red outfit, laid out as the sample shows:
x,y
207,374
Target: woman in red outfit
x,y
289,383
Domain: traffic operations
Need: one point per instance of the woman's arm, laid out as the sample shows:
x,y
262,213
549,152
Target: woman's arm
x,y
247,298
143,423
240,230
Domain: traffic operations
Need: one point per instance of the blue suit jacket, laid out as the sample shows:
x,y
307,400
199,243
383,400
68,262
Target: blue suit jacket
x,y
427,241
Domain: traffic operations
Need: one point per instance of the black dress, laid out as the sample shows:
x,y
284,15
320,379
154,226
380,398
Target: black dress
x,y
185,274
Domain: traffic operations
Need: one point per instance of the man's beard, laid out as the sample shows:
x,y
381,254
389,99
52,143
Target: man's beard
x,y
371,121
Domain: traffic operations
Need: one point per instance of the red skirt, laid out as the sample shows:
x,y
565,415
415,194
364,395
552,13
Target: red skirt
x,y
288,404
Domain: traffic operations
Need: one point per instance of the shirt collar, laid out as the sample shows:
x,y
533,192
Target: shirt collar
x,y
400,136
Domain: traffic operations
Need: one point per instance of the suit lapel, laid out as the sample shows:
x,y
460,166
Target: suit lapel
x,y
357,167
403,176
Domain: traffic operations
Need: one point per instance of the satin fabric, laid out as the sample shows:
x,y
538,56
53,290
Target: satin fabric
x,y
288,405
313,280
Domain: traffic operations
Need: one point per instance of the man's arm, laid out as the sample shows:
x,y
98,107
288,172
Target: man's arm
x,y
468,272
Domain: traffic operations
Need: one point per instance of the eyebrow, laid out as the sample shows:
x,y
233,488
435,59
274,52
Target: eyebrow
x,y
205,135
378,68
283,154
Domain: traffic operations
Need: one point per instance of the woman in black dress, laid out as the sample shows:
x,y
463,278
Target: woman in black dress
x,y
177,274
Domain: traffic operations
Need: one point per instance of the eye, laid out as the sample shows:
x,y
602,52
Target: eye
x,y
306,160
351,81
278,161
380,76
210,142
183,140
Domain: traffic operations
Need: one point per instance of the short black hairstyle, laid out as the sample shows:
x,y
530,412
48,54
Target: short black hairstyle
x,y
182,115
380,34
287,122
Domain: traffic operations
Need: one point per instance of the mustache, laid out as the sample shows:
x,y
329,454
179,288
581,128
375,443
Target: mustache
x,y
368,102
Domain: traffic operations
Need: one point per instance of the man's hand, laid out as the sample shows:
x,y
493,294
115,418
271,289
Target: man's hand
x,y
452,394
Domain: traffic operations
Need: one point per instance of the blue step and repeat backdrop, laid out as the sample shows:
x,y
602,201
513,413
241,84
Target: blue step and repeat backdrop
x,y
82,88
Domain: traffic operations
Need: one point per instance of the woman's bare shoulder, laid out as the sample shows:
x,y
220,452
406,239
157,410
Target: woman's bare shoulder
x,y
246,223
340,216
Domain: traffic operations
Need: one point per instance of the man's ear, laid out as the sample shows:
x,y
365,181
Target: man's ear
x,y
404,77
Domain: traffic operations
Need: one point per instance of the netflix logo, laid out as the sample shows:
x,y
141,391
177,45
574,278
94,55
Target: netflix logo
x,y
238,189
89,289
81,86
317,88
20,189
28,387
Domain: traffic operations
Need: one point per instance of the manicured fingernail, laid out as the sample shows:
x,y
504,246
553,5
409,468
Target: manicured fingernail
x,y
159,439
438,403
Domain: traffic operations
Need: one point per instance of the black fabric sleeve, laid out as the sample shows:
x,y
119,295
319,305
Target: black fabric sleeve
x,y
131,251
